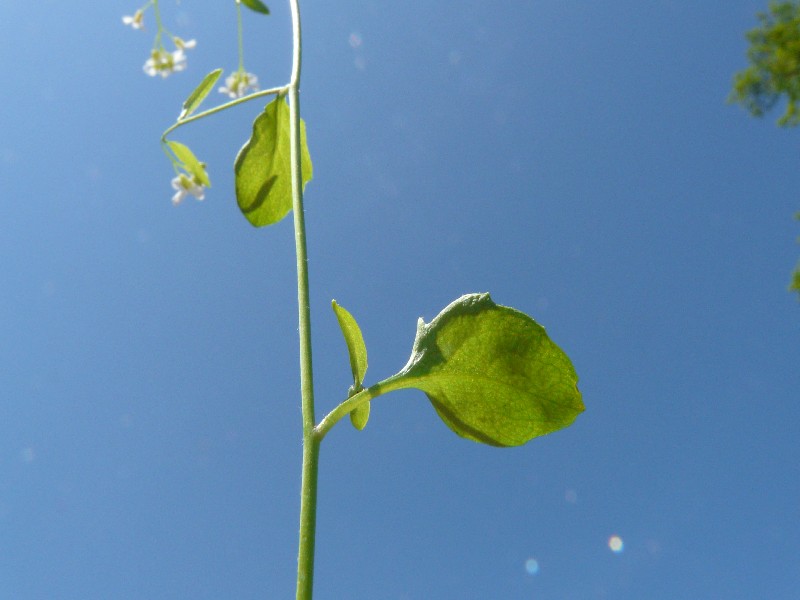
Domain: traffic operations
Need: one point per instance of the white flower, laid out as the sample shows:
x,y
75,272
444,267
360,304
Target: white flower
x,y
164,63
182,44
135,21
185,185
238,84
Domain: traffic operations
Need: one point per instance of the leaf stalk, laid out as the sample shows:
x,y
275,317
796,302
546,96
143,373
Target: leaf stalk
x,y
390,384
207,113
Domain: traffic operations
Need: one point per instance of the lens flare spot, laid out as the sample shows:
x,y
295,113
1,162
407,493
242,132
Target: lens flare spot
x,y
355,40
615,544
532,566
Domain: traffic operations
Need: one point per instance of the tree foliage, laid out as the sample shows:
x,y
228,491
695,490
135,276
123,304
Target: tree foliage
x,y
774,71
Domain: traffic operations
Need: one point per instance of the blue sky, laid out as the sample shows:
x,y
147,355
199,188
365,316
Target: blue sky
x,y
575,159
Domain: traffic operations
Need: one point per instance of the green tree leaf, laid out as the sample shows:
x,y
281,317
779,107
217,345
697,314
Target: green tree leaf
x,y
263,166
492,373
256,5
189,161
199,94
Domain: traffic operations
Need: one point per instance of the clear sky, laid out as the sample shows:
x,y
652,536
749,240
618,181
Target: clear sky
x,y
575,159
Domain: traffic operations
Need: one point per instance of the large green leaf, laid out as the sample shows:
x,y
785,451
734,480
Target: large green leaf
x,y
492,373
358,361
199,94
263,166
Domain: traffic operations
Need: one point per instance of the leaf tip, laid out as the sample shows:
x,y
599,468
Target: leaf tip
x,y
360,415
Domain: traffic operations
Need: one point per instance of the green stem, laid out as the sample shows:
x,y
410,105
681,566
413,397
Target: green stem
x,y
241,36
308,495
390,384
159,24
221,107
308,518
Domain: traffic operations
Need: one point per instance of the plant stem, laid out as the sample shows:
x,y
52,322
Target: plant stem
x,y
308,494
159,25
221,107
241,36
308,518
395,382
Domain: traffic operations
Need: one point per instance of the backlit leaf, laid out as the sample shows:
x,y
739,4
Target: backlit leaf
x,y
263,166
360,415
355,343
357,351
257,6
492,373
189,161
199,94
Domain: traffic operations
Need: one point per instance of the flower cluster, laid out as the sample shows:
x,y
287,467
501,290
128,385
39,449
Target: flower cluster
x,y
191,177
186,184
239,83
161,61
164,63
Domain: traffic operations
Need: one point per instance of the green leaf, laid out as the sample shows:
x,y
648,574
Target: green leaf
x,y
360,415
199,94
189,161
358,361
263,166
355,344
492,373
257,6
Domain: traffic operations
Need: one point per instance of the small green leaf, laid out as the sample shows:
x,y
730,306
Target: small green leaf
x,y
358,361
256,5
492,373
199,94
189,161
360,415
263,166
355,344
